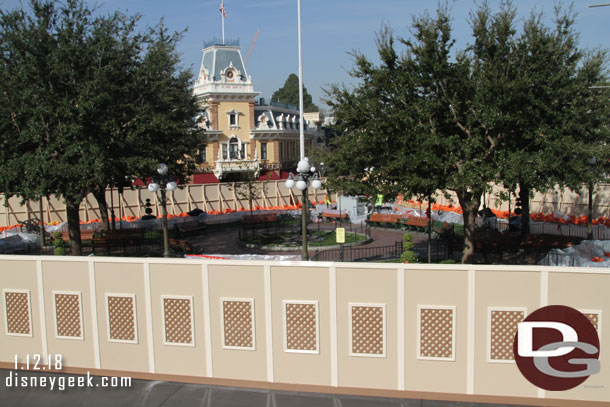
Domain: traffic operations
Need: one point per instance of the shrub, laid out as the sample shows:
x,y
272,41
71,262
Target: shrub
x,y
408,256
59,244
407,242
447,261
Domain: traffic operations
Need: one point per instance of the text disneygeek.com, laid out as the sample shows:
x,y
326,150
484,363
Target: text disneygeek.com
x,y
23,380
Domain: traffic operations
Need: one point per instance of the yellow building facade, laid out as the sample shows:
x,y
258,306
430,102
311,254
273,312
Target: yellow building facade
x,y
244,136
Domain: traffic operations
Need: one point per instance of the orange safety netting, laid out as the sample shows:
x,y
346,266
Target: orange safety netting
x,y
537,217
180,215
206,256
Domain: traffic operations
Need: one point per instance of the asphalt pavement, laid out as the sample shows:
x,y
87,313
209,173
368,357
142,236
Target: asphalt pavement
x,y
168,394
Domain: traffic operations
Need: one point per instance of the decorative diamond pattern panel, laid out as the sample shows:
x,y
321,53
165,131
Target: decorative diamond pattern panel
x,y
503,330
178,321
593,317
121,318
68,315
17,306
367,330
301,327
436,333
238,323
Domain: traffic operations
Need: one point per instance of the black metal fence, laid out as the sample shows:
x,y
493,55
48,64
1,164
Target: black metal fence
x,y
355,253
141,247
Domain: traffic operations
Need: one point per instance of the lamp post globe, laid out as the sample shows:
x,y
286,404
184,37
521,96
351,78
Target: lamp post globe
x,y
303,165
301,185
162,169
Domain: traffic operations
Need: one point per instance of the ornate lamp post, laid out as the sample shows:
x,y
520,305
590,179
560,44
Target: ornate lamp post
x,y
306,176
164,182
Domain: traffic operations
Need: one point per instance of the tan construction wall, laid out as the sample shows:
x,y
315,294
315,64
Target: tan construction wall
x,y
220,196
431,331
556,200
207,197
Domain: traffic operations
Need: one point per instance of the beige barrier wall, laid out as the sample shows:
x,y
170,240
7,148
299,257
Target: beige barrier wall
x,y
221,196
556,200
399,330
206,197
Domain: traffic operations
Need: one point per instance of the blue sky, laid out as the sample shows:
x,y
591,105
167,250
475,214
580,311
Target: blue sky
x,y
331,29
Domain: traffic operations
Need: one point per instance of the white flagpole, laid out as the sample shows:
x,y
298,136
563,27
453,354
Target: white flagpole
x,y
301,133
222,17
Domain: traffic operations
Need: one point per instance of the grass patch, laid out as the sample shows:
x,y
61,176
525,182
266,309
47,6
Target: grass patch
x,y
388,261
329,238
317,238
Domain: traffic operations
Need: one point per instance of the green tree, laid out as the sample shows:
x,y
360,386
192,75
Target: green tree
x,y
46,57
250,189
557,124
153,118
424,119
83,102
289,93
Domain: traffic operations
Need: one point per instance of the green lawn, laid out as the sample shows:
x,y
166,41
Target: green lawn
x,y
329,238
315,238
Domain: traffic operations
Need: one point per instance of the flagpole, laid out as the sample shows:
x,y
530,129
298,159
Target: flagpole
x,y
301,133
222,17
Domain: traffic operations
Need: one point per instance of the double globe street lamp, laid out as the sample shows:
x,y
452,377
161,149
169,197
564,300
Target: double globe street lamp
x,y
164,182
306,176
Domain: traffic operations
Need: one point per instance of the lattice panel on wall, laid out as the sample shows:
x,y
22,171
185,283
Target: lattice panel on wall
x,y
436,332
18,315
121,318
301,327
503,325
594,318
68,315
367,325
178,320
238,323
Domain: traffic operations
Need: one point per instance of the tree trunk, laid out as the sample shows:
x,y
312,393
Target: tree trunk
x,y
470,202
250,201
100,196
72,211
524,195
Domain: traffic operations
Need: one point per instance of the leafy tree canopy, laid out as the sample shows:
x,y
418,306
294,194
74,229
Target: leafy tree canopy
x,y
503,110
86,101
289,93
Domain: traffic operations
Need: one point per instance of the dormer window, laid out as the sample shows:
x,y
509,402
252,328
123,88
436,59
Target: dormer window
x,y
233,117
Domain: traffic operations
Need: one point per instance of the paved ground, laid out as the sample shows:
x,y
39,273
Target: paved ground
x,y
144,393
227,242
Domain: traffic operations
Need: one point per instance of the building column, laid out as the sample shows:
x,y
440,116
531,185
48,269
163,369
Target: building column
x,y
214,115
252,118
276,151
253,147
215,148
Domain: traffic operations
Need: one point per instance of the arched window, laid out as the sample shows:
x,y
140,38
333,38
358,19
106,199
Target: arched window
x,y
233,148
